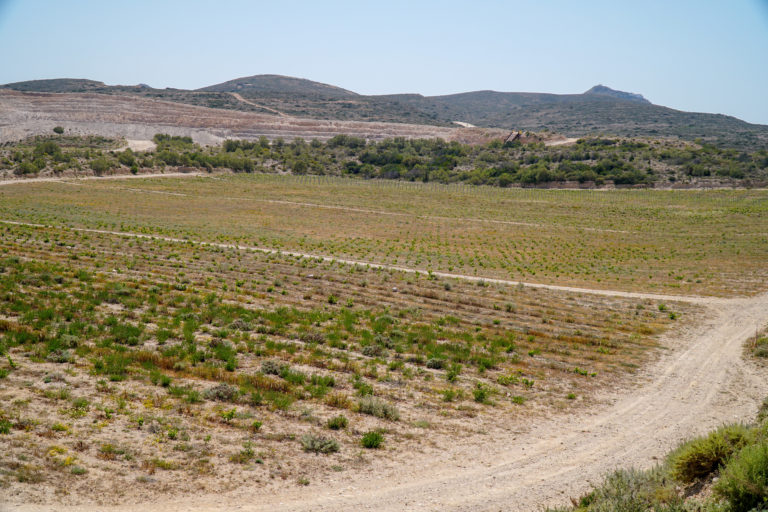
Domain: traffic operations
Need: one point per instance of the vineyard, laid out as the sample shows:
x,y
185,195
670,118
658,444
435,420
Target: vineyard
x,y
278,332
679,242
136,359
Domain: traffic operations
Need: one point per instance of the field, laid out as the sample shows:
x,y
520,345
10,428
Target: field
x,y
202,335
683,243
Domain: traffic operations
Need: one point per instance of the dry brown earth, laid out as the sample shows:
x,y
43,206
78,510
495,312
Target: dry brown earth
x,y
27,114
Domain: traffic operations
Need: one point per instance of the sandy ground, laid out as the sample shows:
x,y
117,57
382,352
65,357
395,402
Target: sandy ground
x,y
700,383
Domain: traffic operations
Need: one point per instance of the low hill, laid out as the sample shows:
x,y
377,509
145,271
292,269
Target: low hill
x,y
278,84
598,111
56,85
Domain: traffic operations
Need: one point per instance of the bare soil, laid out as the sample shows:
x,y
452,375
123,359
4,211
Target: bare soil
x,y
26,114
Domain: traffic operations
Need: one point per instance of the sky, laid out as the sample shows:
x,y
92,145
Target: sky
x,y
694,55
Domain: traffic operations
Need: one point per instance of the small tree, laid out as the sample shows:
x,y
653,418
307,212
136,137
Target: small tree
x,y
58,129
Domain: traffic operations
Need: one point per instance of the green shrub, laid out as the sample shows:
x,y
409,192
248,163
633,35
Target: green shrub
x,y
373,351
5,427
317,444
481,393
632,491
337,422
221,393
702,456
453,372
78,470
272,367
379,408
744,481
435,363
372,439
101,165
293,376
762,413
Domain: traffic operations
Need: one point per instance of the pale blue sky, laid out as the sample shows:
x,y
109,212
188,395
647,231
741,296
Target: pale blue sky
x,y
697,55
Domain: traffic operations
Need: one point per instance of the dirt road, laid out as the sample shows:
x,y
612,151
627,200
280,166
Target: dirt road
x,y
700,383
240,98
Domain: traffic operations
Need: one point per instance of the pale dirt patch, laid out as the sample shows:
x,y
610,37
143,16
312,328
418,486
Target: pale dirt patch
x,y
561,142
141,145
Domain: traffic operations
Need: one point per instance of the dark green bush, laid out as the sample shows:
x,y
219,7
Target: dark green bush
x,y
744,481
372,439
338,422
702,456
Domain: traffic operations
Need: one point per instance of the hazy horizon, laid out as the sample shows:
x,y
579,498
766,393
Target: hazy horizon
x,y
686,56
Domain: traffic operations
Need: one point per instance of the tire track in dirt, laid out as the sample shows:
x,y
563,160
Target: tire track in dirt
x,y
241,99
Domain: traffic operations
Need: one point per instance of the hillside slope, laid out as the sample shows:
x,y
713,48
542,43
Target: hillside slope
x,y
600,110
279,84
27,114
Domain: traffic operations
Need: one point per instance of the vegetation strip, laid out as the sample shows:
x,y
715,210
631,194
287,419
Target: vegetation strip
x,y
475,279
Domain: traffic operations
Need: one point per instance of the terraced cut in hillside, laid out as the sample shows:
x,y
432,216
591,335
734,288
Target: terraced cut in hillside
x,y
668,242
133,367
25,114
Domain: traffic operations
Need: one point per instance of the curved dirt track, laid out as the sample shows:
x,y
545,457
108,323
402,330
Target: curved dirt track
x,y
702,382
240,98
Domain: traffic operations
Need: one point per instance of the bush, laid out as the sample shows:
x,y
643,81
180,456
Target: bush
x,y
372,439
379,408
221,393
435,363
632,491
481,393
58,129
762,413
373,351
700,457
317,444
337,422
273,367
744,481
101,165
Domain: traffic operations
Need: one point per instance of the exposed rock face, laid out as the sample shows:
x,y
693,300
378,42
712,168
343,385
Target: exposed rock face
x,y
607,91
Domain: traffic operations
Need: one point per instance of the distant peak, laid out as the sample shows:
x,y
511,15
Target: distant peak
x,y
601,90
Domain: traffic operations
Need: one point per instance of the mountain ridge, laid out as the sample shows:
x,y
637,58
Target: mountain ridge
x,y
597,111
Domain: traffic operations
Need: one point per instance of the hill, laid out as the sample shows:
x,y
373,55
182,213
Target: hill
x,y
278,84
56,85
598,111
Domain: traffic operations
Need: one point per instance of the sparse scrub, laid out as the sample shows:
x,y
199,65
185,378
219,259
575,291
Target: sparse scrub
x,y
337,422
319,444
379,408
372,439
